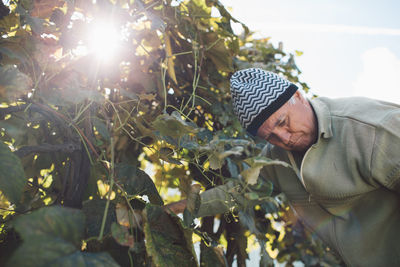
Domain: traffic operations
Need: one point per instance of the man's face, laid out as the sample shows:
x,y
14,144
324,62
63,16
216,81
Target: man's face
x,y
292,127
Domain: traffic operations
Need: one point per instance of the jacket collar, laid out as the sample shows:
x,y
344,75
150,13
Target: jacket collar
x,y
323,117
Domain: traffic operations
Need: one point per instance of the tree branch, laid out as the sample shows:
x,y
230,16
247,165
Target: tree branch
x,y
45,148
11,109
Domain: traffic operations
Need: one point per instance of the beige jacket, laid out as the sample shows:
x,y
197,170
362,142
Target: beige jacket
x,y
346,188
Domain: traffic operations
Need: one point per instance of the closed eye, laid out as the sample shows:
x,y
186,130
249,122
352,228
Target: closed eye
x,y
282,122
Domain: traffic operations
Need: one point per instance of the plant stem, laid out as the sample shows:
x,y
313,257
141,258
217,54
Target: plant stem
x,y
111,181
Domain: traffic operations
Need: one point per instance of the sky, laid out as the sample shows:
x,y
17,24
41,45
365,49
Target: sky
x,y
350,48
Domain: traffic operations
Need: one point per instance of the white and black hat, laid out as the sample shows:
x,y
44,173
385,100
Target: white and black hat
x,y
257,94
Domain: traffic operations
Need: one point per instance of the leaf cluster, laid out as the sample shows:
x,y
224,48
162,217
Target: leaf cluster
x,y
91,149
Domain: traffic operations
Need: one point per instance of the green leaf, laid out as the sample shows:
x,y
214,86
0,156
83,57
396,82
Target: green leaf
x,y
12,53
215,162
94,210
232,167
192,206
40,252
52,237
137,182
129,94
12,82
37,24
218,52
12,176
15,128
251,174
199,8
70,89
121,235
217,158
9,22
167,154
256,164
212,257
54,222
166,241
263,188
218,152
53,252
173,125
101,128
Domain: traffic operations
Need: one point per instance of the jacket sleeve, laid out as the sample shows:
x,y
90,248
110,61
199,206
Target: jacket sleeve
x,y
385,163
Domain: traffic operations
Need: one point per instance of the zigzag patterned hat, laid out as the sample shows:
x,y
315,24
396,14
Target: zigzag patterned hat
x,y
257,94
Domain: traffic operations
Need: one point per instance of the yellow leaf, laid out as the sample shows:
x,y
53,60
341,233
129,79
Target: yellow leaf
x,y
148,97
251,174
170,59
123,214
298,53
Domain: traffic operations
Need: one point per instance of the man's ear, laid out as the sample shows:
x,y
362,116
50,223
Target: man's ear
x,y
299,97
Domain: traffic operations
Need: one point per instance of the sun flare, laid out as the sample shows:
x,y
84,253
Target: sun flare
x,y
104,40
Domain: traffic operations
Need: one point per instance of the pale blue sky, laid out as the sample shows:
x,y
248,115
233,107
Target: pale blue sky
x,y
350,47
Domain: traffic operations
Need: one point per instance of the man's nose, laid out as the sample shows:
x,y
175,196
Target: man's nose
x,y
284,136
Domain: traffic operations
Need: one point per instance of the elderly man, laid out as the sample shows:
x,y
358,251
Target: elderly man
x,y
345,154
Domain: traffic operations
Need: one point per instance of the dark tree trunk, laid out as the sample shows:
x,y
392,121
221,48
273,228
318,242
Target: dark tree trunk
x,y
79,172
237,244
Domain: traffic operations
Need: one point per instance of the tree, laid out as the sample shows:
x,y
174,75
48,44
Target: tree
x,y
96,92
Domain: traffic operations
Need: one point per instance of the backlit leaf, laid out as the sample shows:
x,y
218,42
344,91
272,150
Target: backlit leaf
x,y
218,52
101,128
167,154
251,174
256,164
137,182
173,125
13,82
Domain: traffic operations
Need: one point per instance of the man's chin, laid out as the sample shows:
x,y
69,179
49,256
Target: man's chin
x,y
299,148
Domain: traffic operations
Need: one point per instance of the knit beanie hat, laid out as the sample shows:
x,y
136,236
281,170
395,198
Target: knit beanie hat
x,y
257,94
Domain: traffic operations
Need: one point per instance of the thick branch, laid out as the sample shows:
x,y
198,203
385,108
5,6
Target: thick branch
x,y
11,109
45,148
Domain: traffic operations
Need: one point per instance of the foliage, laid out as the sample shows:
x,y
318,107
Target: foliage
x,y
81,132
52,236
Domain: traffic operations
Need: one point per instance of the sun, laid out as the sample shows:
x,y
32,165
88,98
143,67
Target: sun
x,y
104,39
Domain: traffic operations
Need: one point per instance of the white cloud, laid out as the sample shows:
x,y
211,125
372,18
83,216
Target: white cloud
x,y
380,75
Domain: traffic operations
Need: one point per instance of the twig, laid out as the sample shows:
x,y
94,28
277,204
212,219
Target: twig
x,y
111,180
39,187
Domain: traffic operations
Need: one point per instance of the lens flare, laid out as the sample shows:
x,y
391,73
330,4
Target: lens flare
x,y
104,39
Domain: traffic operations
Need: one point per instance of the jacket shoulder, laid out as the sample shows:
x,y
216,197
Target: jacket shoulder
x,y
362,109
